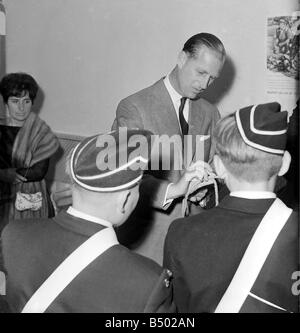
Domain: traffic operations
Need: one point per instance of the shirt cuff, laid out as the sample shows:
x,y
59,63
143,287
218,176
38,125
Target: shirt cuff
x,y
167,201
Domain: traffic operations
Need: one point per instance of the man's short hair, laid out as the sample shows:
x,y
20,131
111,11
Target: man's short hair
x,y
18,84
241,160
193,44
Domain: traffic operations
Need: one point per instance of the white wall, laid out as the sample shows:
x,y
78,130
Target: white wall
x,y
88,54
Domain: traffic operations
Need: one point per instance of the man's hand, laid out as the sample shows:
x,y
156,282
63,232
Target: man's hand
x,y
198,197
199,170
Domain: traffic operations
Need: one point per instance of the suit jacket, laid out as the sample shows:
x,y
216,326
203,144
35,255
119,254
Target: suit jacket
x,y
152,109
205,251
116,281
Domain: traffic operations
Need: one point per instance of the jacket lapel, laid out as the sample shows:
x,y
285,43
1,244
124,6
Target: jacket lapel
x,y
166,119
164,111
199,130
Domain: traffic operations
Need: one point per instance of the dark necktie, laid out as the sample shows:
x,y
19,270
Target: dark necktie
x,y
183,124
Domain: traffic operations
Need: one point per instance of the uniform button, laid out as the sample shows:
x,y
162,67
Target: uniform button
x,y
167,283
169,272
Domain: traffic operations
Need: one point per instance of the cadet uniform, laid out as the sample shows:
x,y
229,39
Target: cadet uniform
x,y
73,262
205,252
117,281
240,256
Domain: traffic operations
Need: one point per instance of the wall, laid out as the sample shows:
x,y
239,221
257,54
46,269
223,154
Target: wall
x,y
88,54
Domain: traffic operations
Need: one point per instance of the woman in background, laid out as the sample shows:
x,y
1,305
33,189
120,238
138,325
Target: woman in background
x,y
26,145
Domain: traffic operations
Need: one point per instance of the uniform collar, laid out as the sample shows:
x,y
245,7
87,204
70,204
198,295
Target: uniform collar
x,y
75,212
246,205
76,224
253,194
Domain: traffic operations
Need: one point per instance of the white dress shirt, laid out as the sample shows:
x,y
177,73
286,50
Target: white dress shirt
x,y
253,194
176,99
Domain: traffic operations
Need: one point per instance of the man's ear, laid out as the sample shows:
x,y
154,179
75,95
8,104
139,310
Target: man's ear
x,y
285,165
219,167
182,58
124,201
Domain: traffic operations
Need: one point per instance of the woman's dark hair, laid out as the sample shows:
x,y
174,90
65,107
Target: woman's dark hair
x,y
18,84
193,44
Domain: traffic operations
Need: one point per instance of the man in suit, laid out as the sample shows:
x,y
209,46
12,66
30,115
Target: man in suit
x,y
204,252
172,108
39,256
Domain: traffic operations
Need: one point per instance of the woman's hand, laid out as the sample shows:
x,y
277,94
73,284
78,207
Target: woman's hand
x,y
19,179
10,175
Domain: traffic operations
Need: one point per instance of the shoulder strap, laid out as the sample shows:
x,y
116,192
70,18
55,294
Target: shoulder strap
x,y
69,269
254,257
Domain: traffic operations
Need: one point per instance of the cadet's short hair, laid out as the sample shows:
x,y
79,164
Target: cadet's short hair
x,y
193,44
241,160
18,84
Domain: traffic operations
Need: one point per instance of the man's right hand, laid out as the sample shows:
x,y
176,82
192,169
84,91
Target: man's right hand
x,y
199,170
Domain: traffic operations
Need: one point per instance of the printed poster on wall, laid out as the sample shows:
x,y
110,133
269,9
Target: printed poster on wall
x,y
283,58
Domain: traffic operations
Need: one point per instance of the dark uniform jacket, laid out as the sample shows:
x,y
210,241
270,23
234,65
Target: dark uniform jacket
x,y
116,281
205,251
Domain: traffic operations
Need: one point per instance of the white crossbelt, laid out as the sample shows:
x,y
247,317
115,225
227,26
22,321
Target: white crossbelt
x,y
254,258
69,269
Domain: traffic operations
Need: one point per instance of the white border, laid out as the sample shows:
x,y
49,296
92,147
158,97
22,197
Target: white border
x,y
108,189
267,302
138,158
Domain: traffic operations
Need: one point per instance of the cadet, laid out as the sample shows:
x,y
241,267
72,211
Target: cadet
x,y
73,262
240,256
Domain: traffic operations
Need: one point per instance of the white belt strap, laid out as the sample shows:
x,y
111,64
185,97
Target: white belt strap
x,y
254,258
69,269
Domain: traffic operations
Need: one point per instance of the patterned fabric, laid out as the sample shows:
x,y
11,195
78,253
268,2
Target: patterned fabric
x,y
26,201
34,143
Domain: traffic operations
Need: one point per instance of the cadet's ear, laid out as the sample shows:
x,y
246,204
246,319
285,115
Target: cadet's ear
x,y
286,161
219,167
182,58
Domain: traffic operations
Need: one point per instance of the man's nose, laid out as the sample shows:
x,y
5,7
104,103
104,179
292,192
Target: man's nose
x,y
21,105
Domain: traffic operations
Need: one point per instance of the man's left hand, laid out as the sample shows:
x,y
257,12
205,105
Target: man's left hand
x,y
198,197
